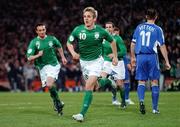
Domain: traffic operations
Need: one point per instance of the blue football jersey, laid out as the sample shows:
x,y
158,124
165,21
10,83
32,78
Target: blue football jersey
x,y
147,37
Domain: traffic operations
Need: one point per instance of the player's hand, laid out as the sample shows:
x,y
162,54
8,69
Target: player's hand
x,y
111,55
133,64
31,61
40,53
129,67
64,61
75,56
115,61
168,66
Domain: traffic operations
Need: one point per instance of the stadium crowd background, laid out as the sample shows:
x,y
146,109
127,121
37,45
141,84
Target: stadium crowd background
x,y
17,20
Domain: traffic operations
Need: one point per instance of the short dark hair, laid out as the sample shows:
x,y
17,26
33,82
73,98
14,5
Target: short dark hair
x,y
151,13
39,24
109,22
116,29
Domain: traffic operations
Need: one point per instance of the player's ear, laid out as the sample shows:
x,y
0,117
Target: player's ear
x,y
36,31
95,19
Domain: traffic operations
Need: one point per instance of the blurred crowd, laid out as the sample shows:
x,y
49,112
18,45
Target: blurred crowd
x,y
18,18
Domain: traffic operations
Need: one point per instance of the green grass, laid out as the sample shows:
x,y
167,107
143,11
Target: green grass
x,y
35,110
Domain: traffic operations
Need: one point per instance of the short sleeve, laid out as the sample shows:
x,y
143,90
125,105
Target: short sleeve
x,y
160,36
135,35
72,36
31,49
57,42
107,36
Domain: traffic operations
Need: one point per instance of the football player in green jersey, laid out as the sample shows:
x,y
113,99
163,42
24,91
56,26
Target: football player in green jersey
x,y
117,73
90,37
127,69
42,51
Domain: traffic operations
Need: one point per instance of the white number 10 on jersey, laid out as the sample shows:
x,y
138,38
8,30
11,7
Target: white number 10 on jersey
x,y
82,36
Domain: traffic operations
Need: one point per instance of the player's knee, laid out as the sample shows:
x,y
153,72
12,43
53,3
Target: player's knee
x,y
120,83
154,82
89,87
50,83
141,82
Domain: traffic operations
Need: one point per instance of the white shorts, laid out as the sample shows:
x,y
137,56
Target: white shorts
x,y
49,71
91,68
118,72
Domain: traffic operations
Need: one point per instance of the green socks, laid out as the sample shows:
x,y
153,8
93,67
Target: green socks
x,y
122,94
87,101
54,93
103,82
114,91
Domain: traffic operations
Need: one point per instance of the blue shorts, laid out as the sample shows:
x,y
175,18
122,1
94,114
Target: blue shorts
x,y
147,67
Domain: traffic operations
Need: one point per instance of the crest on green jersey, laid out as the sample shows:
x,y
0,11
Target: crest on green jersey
x,y
96,35
50,43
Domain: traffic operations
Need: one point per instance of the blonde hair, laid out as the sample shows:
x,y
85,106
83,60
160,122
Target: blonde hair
x,y
92,10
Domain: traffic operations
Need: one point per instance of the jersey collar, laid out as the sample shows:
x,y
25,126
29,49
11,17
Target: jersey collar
x,y
41,38
91,29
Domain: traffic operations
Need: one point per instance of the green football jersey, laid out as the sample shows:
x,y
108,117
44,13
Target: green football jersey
x,y
47,45
90,41
121,48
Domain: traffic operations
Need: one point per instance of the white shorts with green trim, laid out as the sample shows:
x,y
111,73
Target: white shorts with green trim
x,y
118,72
49,71
91,68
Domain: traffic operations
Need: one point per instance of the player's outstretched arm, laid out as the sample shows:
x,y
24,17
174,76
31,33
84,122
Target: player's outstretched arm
x,y
164,53
33,57
72,51
133,58
114,50
63,58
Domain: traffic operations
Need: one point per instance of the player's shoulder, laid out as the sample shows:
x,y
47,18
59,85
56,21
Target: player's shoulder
x,y
117,36
34,40
158,27
118,39
51,37
99,27
141,24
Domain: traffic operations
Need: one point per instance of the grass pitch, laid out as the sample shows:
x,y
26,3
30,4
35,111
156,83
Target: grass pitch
x,y
35,110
